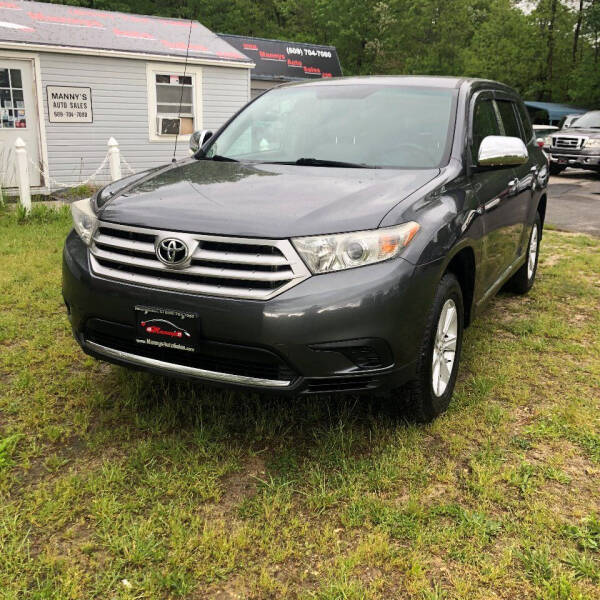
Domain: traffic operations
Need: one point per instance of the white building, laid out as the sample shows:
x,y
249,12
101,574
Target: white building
x,y
71,78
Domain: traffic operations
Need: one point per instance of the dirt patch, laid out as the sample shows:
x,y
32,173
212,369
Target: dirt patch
x,y
242,484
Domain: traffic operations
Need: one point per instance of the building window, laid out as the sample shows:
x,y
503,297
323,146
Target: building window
x,y
12,104
174,101
174,104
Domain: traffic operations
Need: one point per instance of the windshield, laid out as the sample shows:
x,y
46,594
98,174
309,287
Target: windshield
x,y
590,120
355,124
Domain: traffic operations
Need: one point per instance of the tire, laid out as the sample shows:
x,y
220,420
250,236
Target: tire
x,y
555,169
522,281
423,402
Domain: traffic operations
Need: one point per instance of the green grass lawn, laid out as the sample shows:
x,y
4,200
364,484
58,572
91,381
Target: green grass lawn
x,y
116,484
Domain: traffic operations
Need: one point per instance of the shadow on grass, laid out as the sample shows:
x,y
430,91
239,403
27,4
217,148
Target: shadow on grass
x,y
325,430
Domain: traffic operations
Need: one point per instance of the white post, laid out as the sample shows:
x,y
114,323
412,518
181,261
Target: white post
x,y
23,173
114,159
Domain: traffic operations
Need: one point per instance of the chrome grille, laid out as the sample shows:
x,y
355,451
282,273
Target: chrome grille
x,y
235,267
568,142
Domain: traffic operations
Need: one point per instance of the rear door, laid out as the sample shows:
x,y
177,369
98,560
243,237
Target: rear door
x,y
495,189
517,206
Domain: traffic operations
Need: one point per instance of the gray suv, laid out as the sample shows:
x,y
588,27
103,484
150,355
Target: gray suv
x,y
577,146
333,236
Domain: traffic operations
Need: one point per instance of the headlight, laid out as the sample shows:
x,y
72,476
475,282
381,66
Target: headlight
x,y
325,253
84,219
592,143
548,140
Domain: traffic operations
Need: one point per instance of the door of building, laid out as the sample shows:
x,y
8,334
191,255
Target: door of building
x,y
18,118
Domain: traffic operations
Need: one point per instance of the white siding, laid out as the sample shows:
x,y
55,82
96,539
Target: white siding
x,y
120,107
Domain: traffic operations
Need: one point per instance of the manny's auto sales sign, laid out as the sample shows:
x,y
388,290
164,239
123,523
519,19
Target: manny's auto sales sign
x,y
277,59
69,104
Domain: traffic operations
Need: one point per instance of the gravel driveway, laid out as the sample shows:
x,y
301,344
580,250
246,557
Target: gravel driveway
x,y
574,202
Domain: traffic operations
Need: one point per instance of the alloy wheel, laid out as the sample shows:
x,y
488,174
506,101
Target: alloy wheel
x,y
444,348
533,250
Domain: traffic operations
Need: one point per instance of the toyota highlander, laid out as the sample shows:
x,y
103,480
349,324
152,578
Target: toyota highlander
x,y
332,236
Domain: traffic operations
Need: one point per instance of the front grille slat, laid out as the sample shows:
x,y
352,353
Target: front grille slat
x,y
221,266
115,242
240,258
572,143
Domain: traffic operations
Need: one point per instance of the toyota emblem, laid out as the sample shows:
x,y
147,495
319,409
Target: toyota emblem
x,y
172,251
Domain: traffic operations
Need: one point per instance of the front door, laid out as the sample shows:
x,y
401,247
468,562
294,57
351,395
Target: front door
x,y
18,118
517,208
496,191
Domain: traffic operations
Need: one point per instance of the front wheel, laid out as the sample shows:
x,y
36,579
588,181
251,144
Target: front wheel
x,y
556,169
430,393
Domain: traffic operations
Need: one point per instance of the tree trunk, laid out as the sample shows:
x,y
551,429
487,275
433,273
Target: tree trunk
x,y
577,31
550,61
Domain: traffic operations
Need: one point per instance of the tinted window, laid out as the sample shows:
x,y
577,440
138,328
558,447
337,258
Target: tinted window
x,y
509,118
525,121
484,123
379,125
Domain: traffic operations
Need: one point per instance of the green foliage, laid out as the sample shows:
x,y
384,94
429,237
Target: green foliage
x,y
41,213
534,46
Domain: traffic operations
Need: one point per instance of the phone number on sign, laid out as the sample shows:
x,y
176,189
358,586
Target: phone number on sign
x,y
308,52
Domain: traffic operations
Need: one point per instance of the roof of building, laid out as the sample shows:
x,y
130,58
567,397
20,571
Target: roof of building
x,y
279,60
556,111
84,30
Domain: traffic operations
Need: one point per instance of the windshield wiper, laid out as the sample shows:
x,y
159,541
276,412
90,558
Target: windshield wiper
x,y
218,158
318,162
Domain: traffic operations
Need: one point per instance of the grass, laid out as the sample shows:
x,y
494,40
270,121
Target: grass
x,y
115,484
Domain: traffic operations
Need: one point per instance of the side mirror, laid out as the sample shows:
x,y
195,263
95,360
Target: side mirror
x,y
502,151
198,139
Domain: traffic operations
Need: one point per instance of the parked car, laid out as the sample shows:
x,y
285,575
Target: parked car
x,y
568,121
578,146
542,133
333,236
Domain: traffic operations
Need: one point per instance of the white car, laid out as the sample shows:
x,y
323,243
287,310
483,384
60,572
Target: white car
x,y
543,133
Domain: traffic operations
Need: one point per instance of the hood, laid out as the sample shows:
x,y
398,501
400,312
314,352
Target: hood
x,y
595,133
271,201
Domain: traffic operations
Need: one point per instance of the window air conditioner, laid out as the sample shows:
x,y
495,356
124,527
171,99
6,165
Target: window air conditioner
x,y
169,125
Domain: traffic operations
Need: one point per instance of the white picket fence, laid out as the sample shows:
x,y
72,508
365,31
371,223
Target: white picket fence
x,y
22,163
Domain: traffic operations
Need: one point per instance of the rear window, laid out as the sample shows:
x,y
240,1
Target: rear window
x,y
509,118
526,122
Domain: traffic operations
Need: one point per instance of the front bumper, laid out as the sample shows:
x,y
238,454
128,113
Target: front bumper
x,y
574,158
297,342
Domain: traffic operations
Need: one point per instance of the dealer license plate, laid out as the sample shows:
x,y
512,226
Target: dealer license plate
x,y
166,328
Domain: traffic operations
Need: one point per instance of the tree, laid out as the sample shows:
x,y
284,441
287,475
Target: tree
x,y
550,51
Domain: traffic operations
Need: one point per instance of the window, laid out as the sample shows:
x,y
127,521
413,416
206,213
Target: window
x,y
12,103
526,122
484,123
509,118
174,101
369,124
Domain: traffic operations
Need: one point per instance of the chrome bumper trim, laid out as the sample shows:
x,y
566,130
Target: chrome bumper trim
x,y
573,156
144,361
